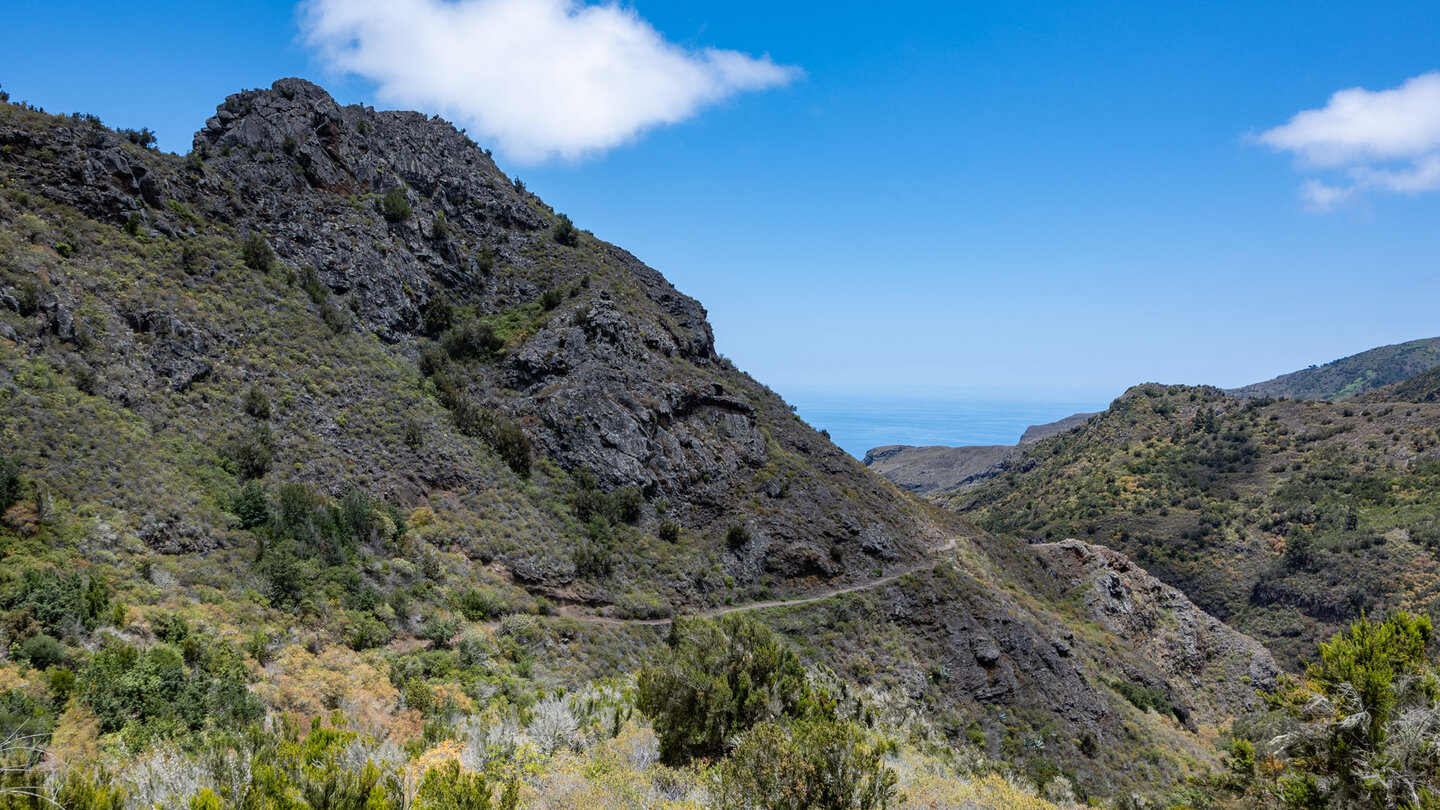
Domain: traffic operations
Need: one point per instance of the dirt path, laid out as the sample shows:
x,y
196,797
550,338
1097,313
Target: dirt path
x,y
577,613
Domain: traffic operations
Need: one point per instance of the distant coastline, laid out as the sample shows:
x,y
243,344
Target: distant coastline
x,y
860,420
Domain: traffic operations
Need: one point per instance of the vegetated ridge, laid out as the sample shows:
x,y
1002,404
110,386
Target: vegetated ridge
x,y
1287,519
1423,387
1351,375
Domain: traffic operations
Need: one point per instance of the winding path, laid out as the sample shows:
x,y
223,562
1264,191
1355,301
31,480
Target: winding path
x,y
575,612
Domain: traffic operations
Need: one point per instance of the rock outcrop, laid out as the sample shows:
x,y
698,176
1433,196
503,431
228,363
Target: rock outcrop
x,y
1210,672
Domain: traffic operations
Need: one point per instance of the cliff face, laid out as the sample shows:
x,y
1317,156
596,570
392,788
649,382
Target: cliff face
x,y
1196,654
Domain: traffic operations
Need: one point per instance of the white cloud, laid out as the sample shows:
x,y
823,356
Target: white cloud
x,y
1385,140
543,78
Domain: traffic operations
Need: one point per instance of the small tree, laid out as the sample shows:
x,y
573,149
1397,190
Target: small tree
x,y
251,505
143,137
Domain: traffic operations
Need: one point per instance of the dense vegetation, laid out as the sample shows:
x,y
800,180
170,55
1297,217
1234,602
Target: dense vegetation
x,y
1286,519
120,743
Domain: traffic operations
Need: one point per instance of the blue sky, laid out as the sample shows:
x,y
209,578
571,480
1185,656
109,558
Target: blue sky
x,y
1046,199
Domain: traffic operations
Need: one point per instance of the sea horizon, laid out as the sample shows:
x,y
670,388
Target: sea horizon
x,y
859,420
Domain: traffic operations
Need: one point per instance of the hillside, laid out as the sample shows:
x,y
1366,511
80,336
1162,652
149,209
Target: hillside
x,y
1351,375
1285,519
928,470
1423,387
331,416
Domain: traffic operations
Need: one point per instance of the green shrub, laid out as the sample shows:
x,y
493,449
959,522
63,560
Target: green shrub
x,y
42,651
248,454
503,435
669,531
565,232
395,206
256,252
1349,727
1143,698
737,536
551,299
123,685
713,681
642,605
334,317
367,631
257,402
170,628
412,434
810,764
594,558
446,787
439,315
481,604
588,501
471,339
58,602
439,630
310,282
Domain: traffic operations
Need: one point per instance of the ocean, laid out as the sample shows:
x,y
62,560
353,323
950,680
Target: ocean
x,y
858,421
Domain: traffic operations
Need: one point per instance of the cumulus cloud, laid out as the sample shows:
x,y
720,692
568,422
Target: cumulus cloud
x,y
1363,140
542,78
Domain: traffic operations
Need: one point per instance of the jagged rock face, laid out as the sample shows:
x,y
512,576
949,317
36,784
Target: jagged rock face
x,y
1206,665
597,380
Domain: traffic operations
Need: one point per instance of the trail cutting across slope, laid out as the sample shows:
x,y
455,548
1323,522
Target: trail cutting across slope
x,y
578,613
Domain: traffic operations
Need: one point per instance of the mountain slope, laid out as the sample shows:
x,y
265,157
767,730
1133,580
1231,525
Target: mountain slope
x,y
1351,375
1423,387
1285,519
396,436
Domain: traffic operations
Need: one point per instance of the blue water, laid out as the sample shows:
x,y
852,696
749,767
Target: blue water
x,y
858,421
